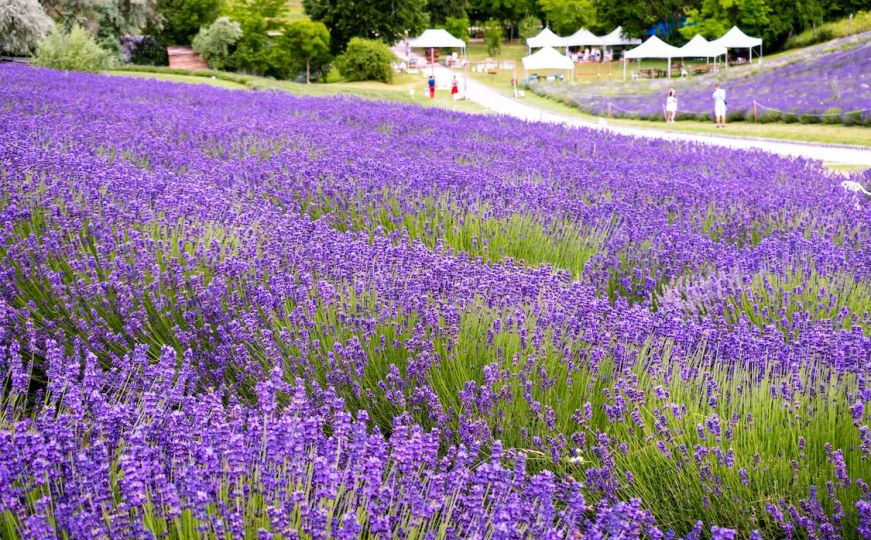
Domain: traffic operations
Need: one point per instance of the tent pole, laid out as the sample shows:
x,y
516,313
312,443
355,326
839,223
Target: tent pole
x,y
750,59
624,67
668,76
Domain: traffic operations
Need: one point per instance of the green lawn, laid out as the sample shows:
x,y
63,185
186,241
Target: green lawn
x,y
405,88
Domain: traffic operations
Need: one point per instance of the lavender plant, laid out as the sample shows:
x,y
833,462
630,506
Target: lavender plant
x,y
224,316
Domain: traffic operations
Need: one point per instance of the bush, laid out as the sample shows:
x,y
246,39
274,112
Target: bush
x,y
832,116
493,37
144,51
366,60
768,116
74,50
789,117
22,24
216,42
184,18
852,119
809,118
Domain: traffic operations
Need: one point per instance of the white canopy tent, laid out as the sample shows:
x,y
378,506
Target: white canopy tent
x,y
699,47
736,39
617,38
545,38
652,48
548,58
582,38
439,38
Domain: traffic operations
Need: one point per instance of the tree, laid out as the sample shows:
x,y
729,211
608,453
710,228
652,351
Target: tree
x,y
717,16
366,60
22,24
385,20
529,27
637,17
508,12
106,19
458,27
493,37
308,43
440,10
259,50
215,42
184,18
73,50
567,16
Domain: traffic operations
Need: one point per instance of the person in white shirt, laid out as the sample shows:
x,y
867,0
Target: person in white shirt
x,y
719,97
670,106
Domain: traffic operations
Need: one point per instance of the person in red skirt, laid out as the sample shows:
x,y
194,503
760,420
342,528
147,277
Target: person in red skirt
x,y
454,88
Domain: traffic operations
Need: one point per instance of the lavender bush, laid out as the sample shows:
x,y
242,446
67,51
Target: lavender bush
x,y
232,314
833,87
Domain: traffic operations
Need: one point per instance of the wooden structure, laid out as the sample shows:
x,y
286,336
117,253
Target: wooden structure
x,y
185,58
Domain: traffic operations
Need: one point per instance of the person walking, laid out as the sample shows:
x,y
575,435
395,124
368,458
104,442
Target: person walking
x,y
431,83
455,87
670,106
720,103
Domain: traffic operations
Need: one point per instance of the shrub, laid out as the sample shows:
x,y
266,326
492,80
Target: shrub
x,y
144,51
493,37
767,116
809,118
22,24
308,43
74,50
216,42
832,116
853,118
184,18
366,60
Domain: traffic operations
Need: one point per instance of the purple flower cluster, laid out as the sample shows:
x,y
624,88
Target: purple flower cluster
x,y
833,87
249,313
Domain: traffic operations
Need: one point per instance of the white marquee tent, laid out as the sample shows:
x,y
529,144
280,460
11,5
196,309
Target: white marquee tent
x,y
548,58
582,38
652,48
617,38
699,47
736,39
545,38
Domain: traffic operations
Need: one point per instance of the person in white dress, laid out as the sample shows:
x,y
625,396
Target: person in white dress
x,y
720,103
670,106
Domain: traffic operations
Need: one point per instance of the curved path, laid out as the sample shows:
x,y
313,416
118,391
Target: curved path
x,y
497,102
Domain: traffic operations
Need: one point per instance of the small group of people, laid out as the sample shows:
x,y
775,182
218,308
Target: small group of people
x,y
720,103
431,82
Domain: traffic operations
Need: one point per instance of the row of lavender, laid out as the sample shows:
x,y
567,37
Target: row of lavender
x,y
203,290
832,88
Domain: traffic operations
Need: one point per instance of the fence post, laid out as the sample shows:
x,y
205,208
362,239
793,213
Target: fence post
x,y
755,113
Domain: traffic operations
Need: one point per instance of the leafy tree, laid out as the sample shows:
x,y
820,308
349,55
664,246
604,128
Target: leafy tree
x,y
106,19
73,50
259,50
567,16
458,27
216,42
493,37
184,18
309,44
144,50
717,16
22,24
508,12
440,10
366,60
529,27
637,17
385,20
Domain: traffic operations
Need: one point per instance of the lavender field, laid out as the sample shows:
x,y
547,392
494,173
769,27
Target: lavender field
x,y
229,314
830,85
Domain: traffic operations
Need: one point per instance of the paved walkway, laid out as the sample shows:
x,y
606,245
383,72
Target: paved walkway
x,y
497,102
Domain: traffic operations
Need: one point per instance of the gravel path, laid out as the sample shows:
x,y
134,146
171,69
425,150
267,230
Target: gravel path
x,y
497,102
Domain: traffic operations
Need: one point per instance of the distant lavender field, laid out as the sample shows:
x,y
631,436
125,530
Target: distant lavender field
x,y
834,87
231,314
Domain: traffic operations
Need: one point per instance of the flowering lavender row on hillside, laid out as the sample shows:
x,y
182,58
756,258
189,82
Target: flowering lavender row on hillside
x,y
834,87
550,331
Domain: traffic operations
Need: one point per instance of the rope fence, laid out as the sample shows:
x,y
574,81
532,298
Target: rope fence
x,y
754,105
